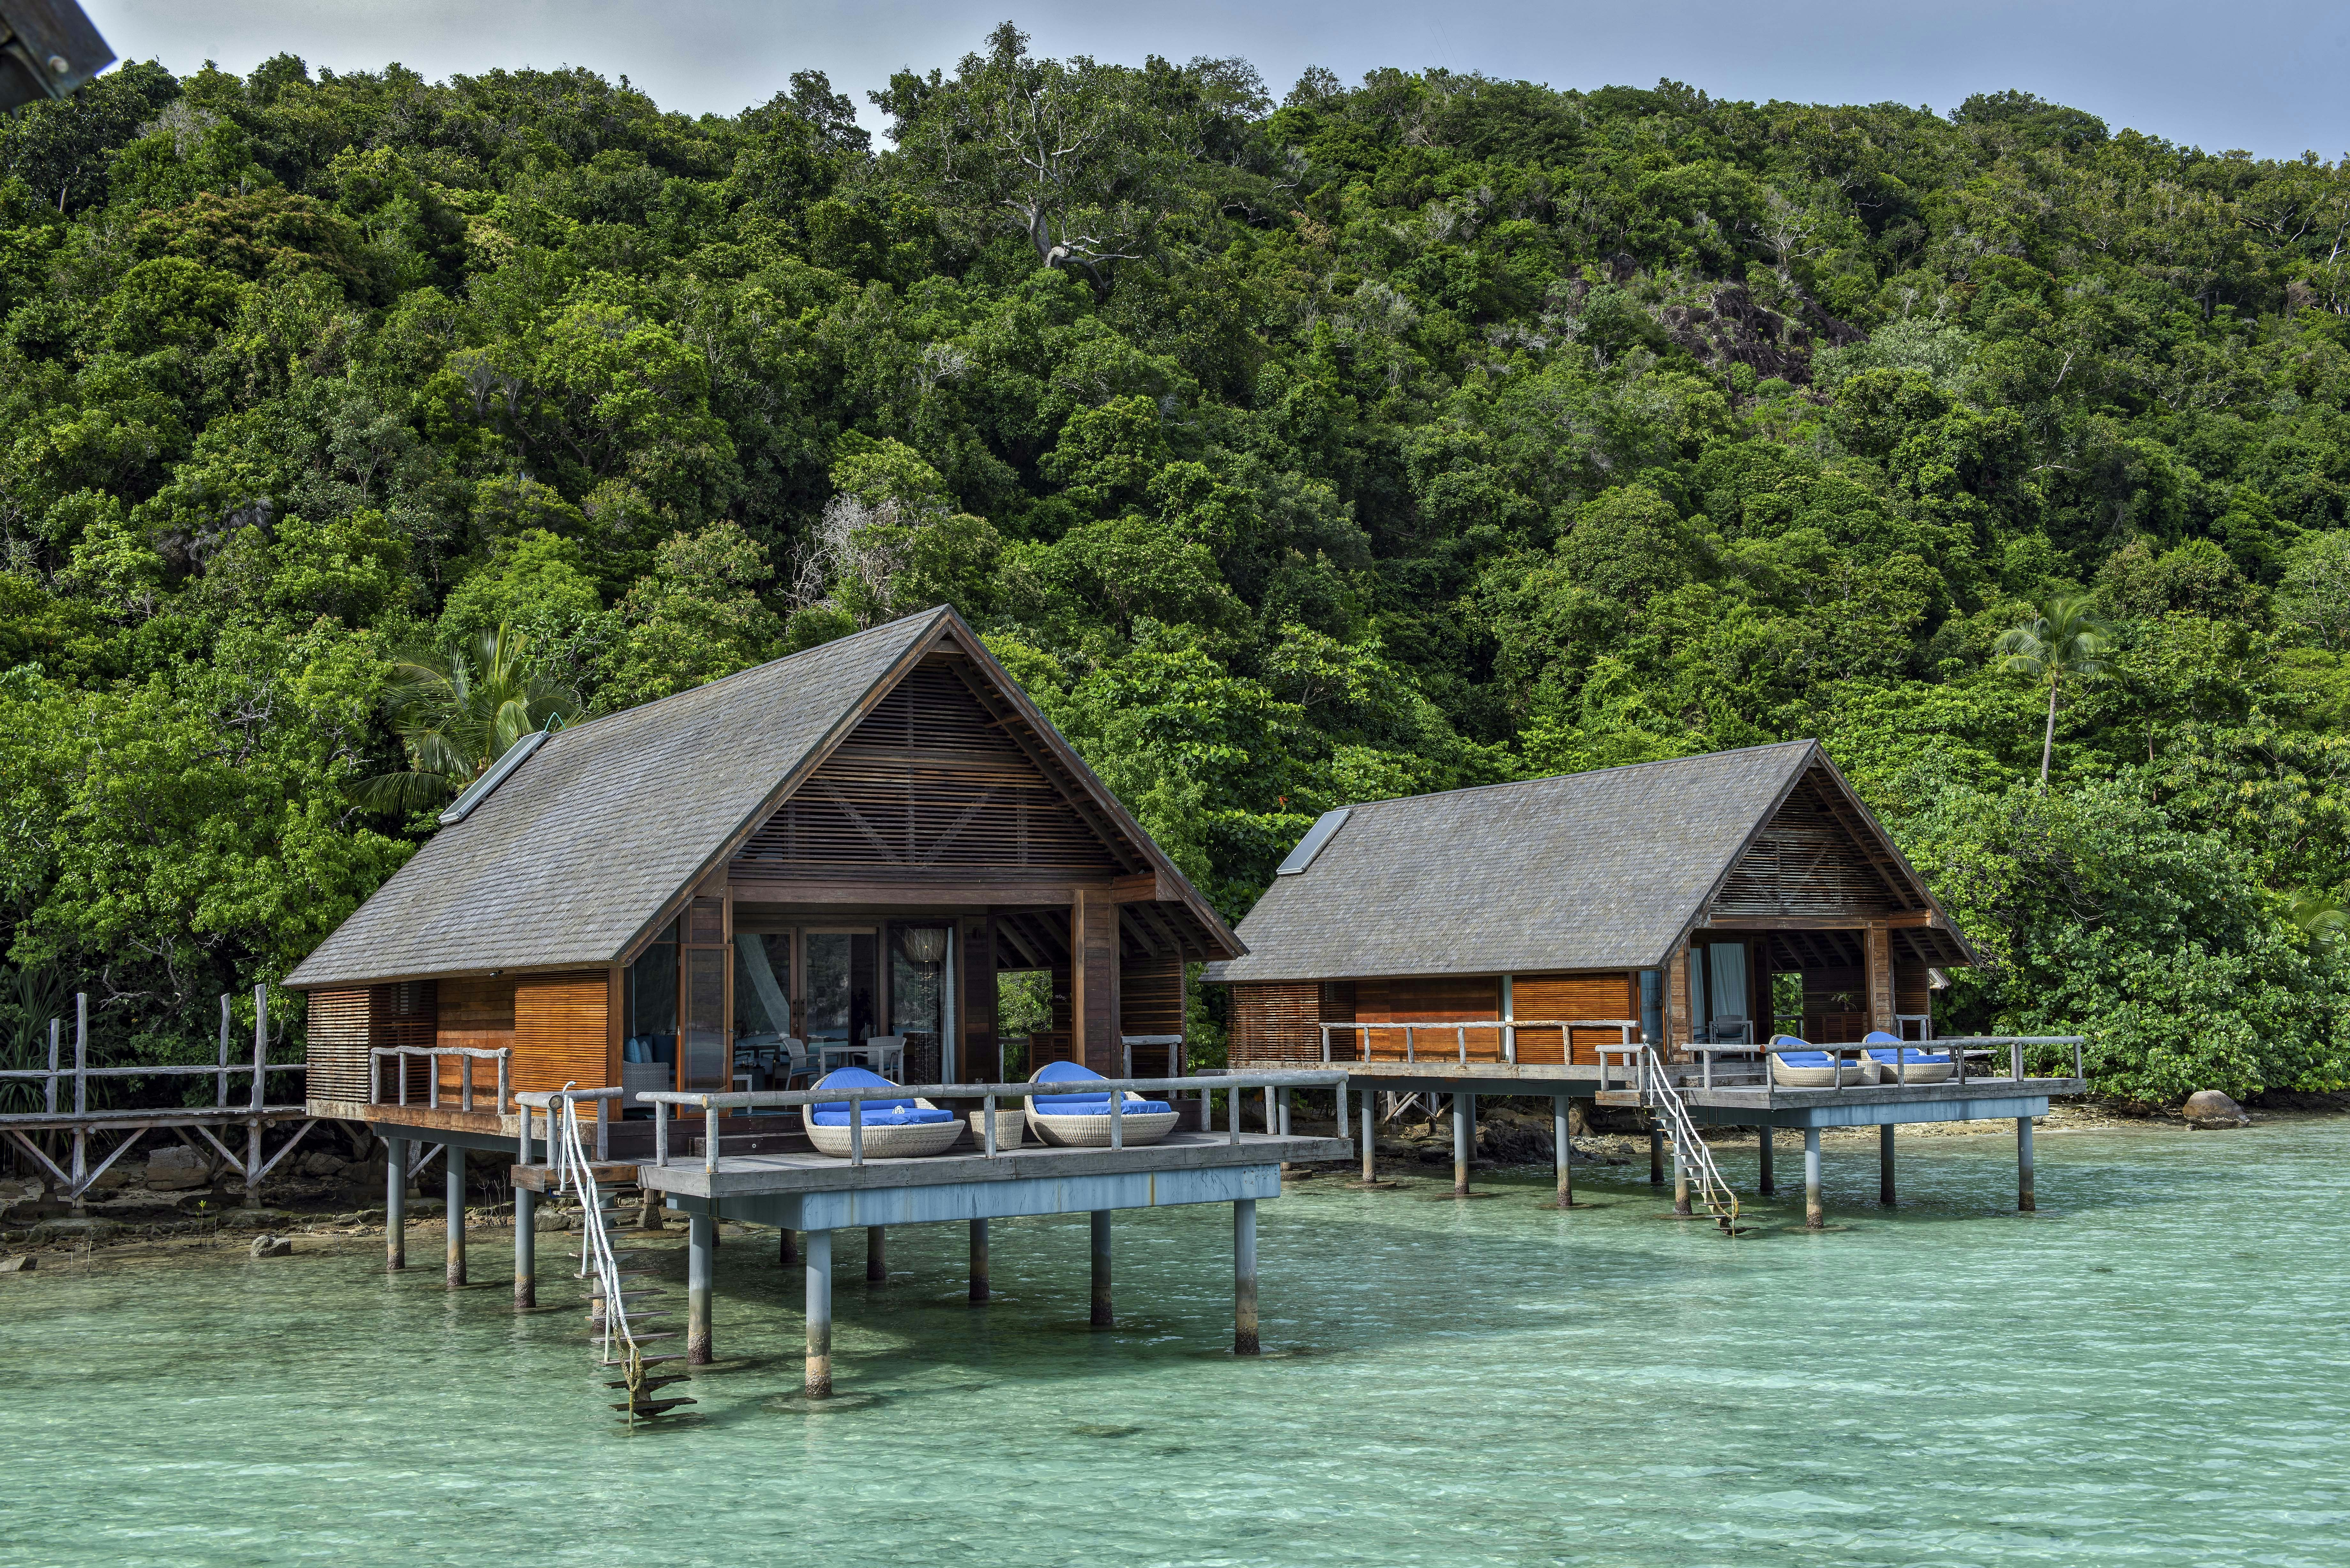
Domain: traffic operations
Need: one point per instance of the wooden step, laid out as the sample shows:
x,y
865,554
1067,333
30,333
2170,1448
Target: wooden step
x,y
650,1383
653,1406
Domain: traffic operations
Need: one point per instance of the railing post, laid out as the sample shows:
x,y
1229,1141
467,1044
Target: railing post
x,y
1326,1044
709,1137
987,1123
1460,1038
260,1039
432,1080
50,1108
522,1143
506,1055
81,1057
220,1097
661,1132
2078,1074
856,1129
1118,1118
2016,1060
465,1081
603,1130
1408,1042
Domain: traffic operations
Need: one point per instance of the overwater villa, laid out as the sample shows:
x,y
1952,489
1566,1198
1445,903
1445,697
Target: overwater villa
x,y
714,901
1562,937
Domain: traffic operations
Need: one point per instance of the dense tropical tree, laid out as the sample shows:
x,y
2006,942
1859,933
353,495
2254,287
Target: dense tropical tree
x,y
456,712
2065,639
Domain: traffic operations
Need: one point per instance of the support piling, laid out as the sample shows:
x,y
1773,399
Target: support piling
x,y
453,1160
395,1205
1465,1141
1245,1340
2024,1203
978,1287
1885,1165
820,1314
1815,1212
525,1249
787,1248
700,1248
1656,1157
1769,1183
876,1260
1680,1179
1101,1313
1563,1150
1371,1150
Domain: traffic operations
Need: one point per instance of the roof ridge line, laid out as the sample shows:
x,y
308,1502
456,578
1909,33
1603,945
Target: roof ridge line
x,y
1587,773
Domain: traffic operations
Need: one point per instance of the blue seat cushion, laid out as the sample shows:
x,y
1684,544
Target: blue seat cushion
x,y
858,1078
1895,1057
1094,1106
1806,1058
882,1114
1880,1037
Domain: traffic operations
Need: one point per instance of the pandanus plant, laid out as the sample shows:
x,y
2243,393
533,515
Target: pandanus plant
x,y
457,712
2065,639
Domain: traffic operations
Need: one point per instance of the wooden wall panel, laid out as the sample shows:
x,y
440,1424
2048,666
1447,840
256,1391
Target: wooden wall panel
x,y
975,1008
475,1010
337,1044
1427,999
1150,1002
560,1029
1813,858
1092,997
1275,1025
1879,946
1912,994
1571,997
928,785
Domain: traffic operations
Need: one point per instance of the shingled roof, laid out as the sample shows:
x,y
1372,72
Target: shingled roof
x,y
572,859
1599,870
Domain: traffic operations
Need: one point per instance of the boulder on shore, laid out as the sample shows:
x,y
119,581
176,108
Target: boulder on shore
x,y
2210,1109
272,1246
176,1169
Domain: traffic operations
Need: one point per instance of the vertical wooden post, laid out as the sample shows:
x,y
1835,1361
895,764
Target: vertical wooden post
x,y
1815,1211
1370,1150
1562,1149
395,1205
1885,1165
1093,981
701,1245
526,1219
1245,1340
979,1288
975,1016
1656,1157
453,1163
252,1127
1877,946
1769,1184
49,1099
1679,1027
81,1096
1101,1313
2024,1201
1681,1177
787,1248
220,1097
820,1314
1465,1141
877,1262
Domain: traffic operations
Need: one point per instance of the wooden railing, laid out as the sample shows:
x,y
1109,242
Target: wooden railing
x,y
466,1056
1958,1048
1627,1030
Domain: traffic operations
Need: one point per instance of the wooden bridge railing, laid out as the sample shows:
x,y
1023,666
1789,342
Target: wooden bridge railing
x,y
466,1056
1627,1030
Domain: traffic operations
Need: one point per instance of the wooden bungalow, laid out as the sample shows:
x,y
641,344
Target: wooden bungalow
x,y
844,845
1495,935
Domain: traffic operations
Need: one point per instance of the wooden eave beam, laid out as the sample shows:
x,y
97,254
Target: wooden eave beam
x,y
1131,856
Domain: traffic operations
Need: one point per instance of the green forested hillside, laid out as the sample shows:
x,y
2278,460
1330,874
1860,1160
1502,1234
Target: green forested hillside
x,y
1372,440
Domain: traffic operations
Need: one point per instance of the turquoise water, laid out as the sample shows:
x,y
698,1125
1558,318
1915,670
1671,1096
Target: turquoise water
x,y
2151,1371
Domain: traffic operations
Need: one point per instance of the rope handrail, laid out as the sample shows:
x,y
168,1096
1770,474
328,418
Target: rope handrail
x,y
576,1174
1657,1092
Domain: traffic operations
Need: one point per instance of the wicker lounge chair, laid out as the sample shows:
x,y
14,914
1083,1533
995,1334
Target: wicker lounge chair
x,y
1887,1054
1010,1122
893,1129
1082,1120
1802,1067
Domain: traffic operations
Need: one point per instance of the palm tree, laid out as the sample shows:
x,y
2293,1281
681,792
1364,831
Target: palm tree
x,y
2319,915
2064,637
457,713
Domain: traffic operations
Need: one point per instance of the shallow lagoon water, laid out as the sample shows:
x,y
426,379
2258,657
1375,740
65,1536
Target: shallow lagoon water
x,y
2149,1371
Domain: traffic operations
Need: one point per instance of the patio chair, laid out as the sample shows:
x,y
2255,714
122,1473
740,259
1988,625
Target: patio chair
x,y
1803,1067
893,1129
1885,1055
1082,1120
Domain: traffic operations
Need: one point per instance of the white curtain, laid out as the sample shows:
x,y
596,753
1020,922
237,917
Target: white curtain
x,y
763,982
1726,973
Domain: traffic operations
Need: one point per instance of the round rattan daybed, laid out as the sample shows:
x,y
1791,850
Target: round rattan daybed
x,y
893,1129
1082,1120
1887,1054
1805,1068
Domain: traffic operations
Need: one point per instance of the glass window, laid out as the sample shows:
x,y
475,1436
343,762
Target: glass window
x,y
1652,1006
1726,974
652,1001
918,966
842,974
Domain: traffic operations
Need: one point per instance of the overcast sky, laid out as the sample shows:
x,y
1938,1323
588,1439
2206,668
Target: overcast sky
x,y
2265,75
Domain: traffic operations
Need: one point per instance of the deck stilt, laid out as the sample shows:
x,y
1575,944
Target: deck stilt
x,y
787,1248
395,1204
1245,1341
820,1314
2024,1203
1680,1179
1101,1314
1370,1150
701,1249
1814,1213
1465,1141
1885,1165
876,1259
1561,1150
1768,1184
453,1163
525,1217
978,1287
1656,1157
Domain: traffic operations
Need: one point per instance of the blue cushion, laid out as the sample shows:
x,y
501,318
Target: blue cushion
x,y
1910,1055
1094,1106
1880,1037
1071,1105
1779,1039
896,1115
1804,1058
858,1078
